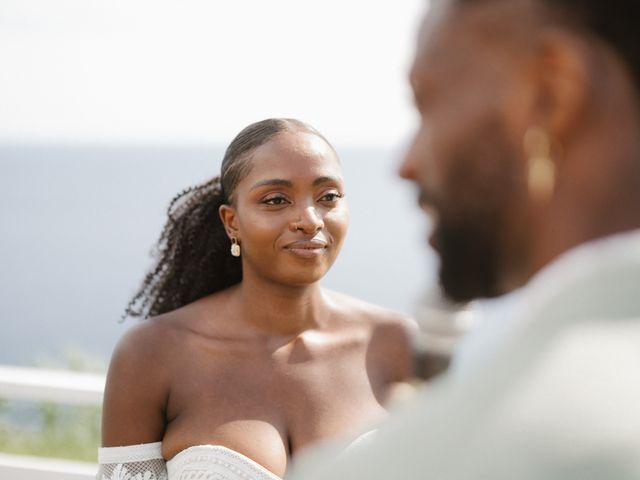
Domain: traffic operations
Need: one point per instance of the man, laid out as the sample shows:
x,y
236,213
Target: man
x,y
528,159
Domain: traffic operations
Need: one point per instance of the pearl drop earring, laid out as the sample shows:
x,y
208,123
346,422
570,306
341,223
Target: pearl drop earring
x,y
235,247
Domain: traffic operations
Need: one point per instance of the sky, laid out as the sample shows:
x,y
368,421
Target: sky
x,y
198,71
188,74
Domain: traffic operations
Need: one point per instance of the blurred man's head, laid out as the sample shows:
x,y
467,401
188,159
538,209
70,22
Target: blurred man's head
x,y
529,137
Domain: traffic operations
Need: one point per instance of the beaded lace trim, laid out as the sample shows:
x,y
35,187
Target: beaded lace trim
x,y
134,462
201,462
213,462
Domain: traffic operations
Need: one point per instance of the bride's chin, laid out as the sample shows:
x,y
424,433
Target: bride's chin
x,y
303,278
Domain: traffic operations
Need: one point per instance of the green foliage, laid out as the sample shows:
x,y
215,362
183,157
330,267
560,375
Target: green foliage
x,y
55,431
49,429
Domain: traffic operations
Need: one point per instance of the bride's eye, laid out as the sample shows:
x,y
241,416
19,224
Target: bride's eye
x,y
278,200
331,197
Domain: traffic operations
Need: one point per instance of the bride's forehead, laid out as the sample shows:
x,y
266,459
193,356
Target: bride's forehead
x,y
298,154
295,143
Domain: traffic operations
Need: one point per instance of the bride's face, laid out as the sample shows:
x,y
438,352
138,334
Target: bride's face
x,y
289,212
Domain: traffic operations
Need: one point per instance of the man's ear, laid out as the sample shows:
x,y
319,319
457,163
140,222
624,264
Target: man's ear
x,y
565,83
552,88
229,220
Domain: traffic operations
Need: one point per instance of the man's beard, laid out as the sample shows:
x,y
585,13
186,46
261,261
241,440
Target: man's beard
x,y
469,258
476,218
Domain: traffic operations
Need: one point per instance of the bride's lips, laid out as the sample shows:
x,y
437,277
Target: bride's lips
x,y
307,248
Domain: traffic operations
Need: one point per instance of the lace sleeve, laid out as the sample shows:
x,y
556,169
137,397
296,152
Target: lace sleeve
x,y
135,462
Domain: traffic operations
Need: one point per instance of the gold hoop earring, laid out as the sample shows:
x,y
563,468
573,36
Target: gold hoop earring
x,y
541,171
235,247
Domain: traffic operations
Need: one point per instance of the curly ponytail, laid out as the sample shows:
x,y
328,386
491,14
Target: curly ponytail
x,y
192,254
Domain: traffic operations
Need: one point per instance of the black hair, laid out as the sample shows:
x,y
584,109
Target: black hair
x,y
192,256
614,22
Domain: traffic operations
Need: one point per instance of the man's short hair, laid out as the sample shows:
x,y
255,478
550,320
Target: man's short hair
x,y
614,22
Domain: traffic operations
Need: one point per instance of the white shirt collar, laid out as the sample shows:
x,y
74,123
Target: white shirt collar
x,y
502,317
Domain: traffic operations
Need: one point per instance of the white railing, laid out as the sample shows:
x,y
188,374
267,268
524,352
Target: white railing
x,y
22,467
24,383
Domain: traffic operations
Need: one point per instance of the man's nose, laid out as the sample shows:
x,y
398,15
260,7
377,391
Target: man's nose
x,y
408,166
308,221
407,169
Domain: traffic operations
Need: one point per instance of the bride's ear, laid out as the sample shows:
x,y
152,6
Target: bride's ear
x,y
229,220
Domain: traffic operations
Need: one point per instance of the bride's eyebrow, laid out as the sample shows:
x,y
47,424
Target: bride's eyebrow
x,y
321,180
273,182
279,182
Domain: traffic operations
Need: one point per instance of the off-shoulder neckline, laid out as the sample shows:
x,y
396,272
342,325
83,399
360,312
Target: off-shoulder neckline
x,y
232,455
151,451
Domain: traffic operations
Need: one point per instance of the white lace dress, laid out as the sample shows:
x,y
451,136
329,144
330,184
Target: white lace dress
x,y
201,462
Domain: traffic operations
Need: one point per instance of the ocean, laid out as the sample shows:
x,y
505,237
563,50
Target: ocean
x,y
79,222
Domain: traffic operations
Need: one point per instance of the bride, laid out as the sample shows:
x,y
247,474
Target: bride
x,y
247,359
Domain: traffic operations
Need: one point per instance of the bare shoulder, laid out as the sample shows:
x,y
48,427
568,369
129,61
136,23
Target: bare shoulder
x,y
389,352
137,384
161,339
145,342
373,315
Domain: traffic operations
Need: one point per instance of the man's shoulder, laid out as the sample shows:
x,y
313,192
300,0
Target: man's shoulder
x,y
571,407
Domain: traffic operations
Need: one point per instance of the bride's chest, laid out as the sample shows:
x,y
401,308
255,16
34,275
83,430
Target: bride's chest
x,y
269,408
289,380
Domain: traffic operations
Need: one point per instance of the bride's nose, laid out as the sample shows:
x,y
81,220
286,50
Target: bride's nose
x,y
308,221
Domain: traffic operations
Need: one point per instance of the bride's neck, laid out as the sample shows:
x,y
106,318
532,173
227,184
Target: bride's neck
x,y
281,309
